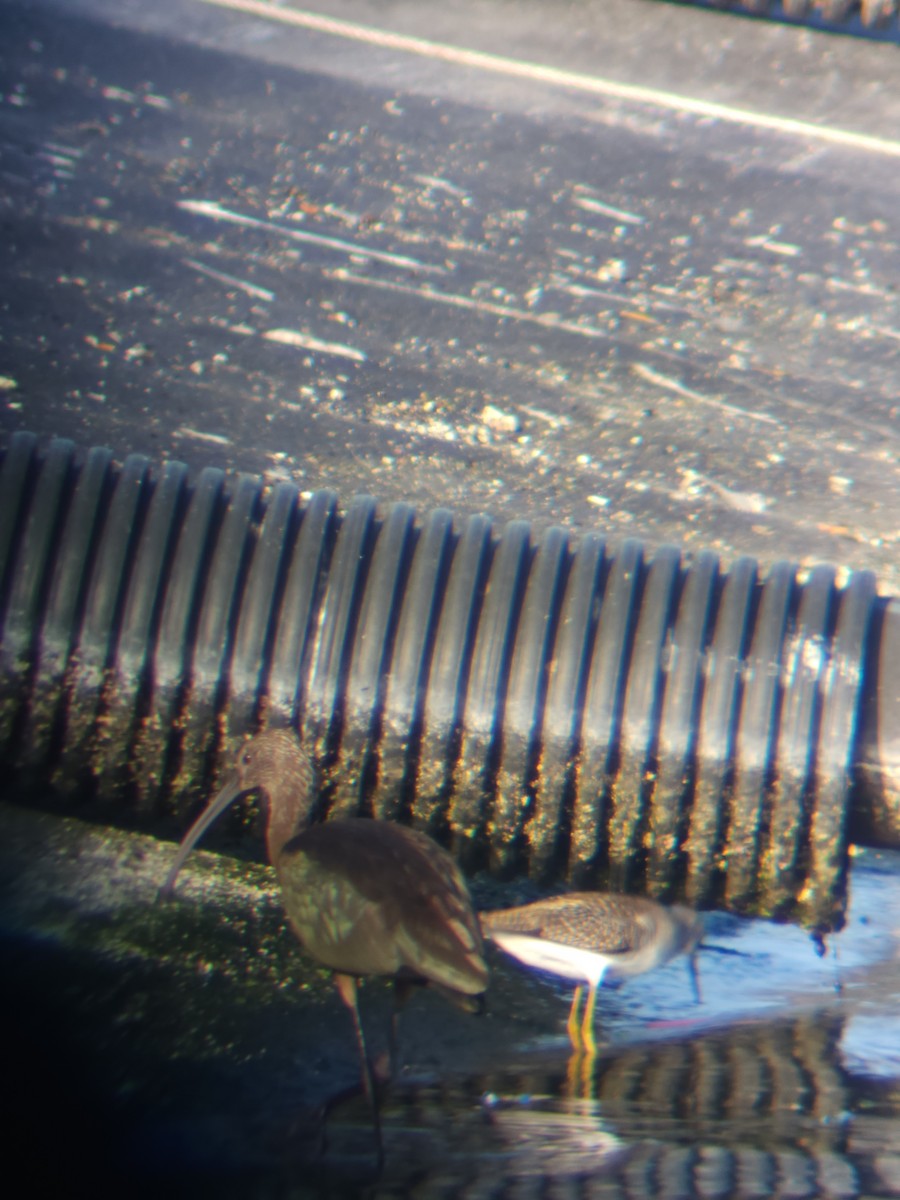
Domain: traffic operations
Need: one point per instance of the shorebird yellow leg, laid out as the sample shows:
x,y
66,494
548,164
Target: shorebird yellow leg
x,y
572,1023
588,1041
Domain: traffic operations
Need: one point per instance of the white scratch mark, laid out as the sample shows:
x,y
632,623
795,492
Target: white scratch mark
x,y
672,385
68,151
558,77
303,341
56,160
119,94
545,320
434,430
745,502
554,420
863,289
251,289
209,208
578,289
499,419
200,436
840,484
441,185
738,264
766,243
607,210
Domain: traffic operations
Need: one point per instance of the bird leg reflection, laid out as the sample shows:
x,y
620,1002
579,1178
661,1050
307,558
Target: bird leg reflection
x,y
580,1076
572,1026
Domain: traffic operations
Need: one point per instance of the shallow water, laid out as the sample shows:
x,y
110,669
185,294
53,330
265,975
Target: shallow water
x,y
190,1048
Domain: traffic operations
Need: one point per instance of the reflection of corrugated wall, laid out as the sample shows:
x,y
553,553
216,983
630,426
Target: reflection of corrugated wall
x,y
758,1110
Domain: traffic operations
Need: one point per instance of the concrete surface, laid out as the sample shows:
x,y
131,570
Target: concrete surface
x,y
250,243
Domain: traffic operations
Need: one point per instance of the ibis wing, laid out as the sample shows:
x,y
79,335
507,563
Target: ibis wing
x,y
366,897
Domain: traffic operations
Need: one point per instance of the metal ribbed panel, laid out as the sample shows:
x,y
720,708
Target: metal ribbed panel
x,y
94,651
600,722
251,658
449,671
716,727
852,16
482,714
65,595
835,749
294,627
370,654
127,642
550,822
406,676
525,699
171,657
756,730
683,662
19,463
805,660
639,721
333,638
206,671
640,717
23,606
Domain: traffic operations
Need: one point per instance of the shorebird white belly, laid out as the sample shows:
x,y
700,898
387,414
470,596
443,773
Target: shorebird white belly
x,y
571,962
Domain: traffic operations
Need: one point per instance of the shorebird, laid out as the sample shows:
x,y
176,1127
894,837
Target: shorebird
x,y
364,897
587,936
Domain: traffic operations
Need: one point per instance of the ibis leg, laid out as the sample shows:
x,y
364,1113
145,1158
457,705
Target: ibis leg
x,y
346,988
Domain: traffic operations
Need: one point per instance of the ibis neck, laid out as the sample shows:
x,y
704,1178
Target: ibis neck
x,y
287,817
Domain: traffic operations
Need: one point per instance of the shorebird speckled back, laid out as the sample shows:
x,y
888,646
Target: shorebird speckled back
x,y
586,936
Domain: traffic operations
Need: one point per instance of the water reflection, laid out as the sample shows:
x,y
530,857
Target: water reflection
x,y
757,1110
188,1050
